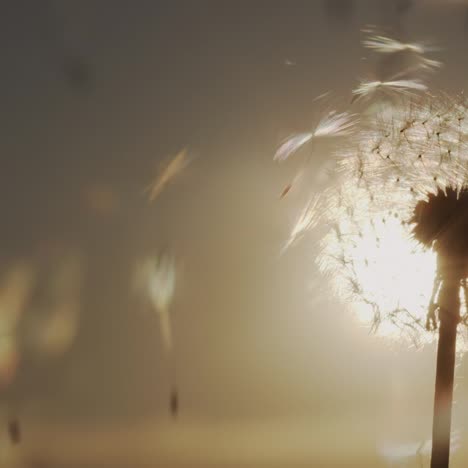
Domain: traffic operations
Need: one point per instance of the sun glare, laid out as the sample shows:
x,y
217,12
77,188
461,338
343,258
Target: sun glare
x,y
394,274
383,274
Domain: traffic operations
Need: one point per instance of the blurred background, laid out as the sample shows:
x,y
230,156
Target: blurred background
x,y
270,370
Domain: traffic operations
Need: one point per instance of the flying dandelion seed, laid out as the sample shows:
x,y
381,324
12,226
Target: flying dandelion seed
x,y
333,125
158,277
367,89
291,145
387,45
430,64
172,169
398,217
286,190
404,58
155,277
14,295
296,180
174,402
321,96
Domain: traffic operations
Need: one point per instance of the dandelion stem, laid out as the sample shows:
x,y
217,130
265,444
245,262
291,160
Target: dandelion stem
x,y
449,310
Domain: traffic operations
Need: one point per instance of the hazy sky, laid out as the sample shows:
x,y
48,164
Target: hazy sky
x,y
271,371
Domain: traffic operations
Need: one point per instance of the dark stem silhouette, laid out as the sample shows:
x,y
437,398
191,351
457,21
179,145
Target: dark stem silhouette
x,y
441,222
449,307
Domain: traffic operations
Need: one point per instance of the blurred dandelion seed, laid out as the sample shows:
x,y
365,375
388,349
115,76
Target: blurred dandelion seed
x,y
295,181
369,88
172,169
409,55
286,190
174,402
430,64
333,125
321,96
291,145
156,279
387,45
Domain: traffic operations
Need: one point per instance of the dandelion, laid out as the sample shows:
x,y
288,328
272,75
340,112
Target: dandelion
x,y
333,125
405,87
396,244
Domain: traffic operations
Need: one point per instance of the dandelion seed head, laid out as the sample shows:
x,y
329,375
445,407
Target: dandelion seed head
x,y
398,159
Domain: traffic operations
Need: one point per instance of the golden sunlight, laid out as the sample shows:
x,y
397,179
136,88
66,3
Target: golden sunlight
x,y
394,273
